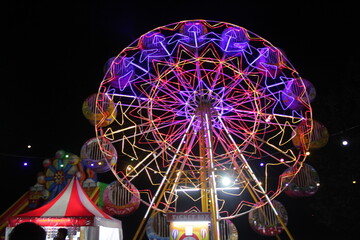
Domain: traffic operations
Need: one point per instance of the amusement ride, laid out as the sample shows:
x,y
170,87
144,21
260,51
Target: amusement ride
x,y
213,120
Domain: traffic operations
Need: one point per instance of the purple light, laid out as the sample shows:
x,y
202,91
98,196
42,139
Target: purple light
x,y
25,164
261,164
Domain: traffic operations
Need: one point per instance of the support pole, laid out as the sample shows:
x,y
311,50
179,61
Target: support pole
x,y
208,182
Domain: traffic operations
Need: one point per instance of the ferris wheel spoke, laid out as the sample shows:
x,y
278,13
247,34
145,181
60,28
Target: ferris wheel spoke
x,y
189,141
247,166
172,161
143,164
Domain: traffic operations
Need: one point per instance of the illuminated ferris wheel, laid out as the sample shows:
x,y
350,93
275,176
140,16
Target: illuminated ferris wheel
x,y
207,112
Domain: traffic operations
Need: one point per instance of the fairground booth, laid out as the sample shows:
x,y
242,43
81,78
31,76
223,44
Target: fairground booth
x,y
193,225
72,209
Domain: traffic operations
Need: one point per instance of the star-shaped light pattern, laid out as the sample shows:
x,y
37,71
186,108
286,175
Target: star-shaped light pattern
x,y
200,96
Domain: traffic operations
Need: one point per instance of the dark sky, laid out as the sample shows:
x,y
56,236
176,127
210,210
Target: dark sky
x,y
53,54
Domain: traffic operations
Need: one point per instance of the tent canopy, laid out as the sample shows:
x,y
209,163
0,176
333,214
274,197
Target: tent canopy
x,y
72,207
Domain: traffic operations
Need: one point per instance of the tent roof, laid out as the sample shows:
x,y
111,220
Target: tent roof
x,y
71,203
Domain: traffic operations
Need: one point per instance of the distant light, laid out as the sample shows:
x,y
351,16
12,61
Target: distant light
x,y
345,143
307,153
29,146
262,164
281,160
354,181
61,165
25,164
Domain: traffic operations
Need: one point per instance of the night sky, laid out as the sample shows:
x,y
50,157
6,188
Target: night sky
x,y
52,58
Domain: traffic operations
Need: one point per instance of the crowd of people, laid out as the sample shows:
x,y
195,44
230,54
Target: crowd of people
x,y
33,231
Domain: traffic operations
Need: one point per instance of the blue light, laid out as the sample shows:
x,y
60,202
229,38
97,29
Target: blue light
x,y
25,164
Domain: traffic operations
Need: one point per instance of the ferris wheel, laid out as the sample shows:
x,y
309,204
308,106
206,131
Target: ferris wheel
x,y
206,113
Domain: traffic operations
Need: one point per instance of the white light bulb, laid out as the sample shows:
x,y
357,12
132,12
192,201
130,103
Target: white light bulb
x,y
226,181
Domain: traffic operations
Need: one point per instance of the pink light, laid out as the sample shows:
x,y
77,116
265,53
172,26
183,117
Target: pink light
x,y
222,92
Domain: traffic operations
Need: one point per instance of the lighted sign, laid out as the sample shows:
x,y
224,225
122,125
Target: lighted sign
x,y
196,216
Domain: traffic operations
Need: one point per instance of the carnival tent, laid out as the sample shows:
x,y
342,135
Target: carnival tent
x,y
73,208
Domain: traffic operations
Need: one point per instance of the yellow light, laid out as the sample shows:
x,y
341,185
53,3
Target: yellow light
x,y
307,153
354,181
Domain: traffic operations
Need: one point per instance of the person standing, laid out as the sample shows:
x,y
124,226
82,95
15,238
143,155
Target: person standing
x,y
27,231
61,234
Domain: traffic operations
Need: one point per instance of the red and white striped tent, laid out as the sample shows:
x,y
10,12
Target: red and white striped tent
x,y
73,208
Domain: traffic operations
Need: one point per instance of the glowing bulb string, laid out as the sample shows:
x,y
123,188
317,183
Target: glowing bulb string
x,y
164,179
182,167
